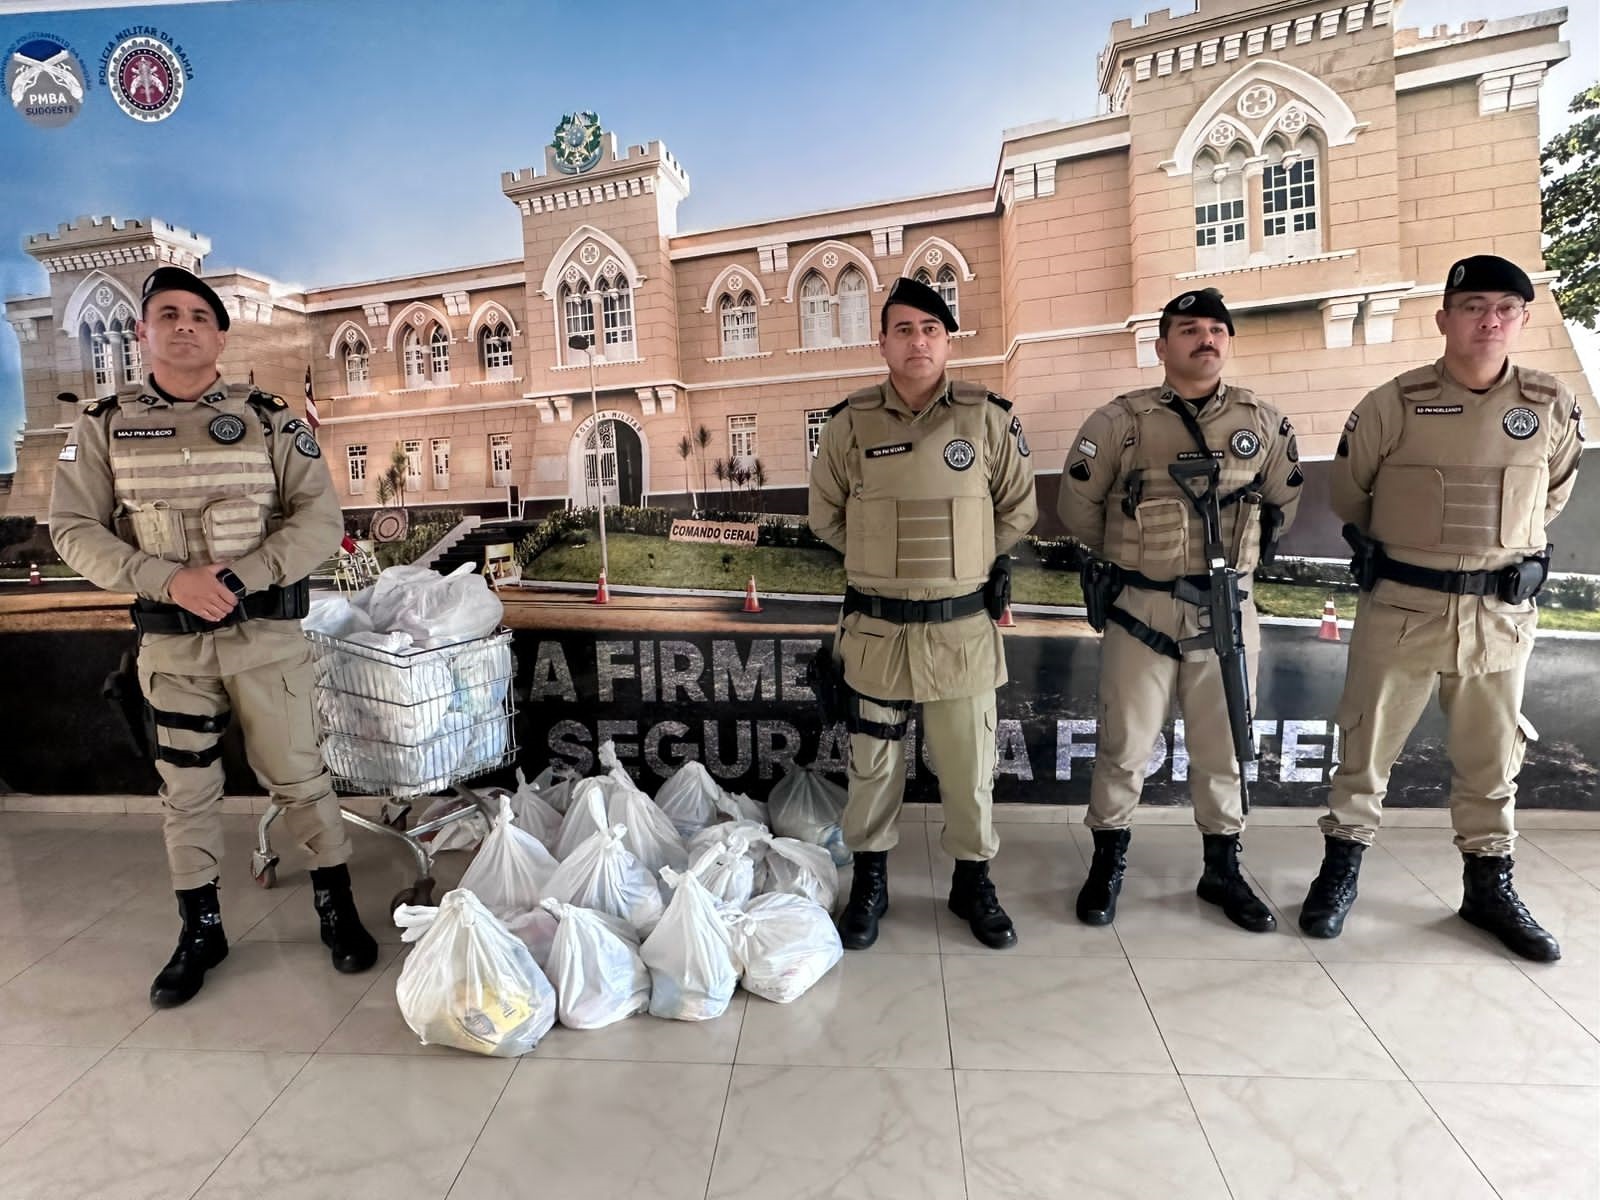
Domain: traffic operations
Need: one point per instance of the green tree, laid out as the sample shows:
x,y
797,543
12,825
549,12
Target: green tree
x,y
1570,165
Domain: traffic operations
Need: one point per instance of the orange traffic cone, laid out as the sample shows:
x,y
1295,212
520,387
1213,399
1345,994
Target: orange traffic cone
x,y
33,575
752,602
1006,621
602,594
1328,631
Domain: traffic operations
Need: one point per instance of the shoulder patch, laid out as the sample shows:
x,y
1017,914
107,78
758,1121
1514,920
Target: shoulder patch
x,y
306,444
1285,428
1350,425
1344,446
838,408
1080,470
101,406
267,400
1295,478
1004,404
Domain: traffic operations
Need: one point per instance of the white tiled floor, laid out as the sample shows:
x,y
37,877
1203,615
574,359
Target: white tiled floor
x,y
1169,1056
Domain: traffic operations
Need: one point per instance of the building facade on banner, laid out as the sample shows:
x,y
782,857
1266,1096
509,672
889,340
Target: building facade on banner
x,y
1318,166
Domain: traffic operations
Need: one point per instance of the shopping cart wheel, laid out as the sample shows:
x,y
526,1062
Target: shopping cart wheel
x,y
264,869
421,892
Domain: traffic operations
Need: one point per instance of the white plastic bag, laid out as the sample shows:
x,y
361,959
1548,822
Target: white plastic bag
x,y
783,944
531,811
555,784
537,931
435,609
755,837
512,868
603,874
336,617
690,798
736,806
802,869
808,806
594,960
600,803
464,833
470,983
728,872
692,975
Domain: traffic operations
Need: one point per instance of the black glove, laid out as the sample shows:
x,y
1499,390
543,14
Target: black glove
x,y
997,592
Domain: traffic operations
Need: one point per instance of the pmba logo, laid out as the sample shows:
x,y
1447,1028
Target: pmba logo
x,y
145,72
45,80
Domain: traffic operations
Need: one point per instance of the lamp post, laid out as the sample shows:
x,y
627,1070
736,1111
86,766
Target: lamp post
x,y
585,342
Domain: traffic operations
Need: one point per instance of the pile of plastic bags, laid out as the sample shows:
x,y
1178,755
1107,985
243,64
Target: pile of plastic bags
x,y
587,904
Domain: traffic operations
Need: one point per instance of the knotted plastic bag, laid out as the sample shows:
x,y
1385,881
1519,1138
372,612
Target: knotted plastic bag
x,y
595,963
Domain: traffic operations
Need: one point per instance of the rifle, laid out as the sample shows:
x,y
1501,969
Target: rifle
x,y
1222,626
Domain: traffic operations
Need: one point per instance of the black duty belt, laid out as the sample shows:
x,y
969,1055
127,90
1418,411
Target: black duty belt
x,y
1456,583
913,612
273,604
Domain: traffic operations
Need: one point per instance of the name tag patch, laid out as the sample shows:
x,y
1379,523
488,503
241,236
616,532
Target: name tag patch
x,y
135,435
1195,455
1438,410
889,451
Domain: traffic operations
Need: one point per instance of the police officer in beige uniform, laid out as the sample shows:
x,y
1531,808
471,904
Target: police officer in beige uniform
x,y
1120,502
922,484
1450,475
211,502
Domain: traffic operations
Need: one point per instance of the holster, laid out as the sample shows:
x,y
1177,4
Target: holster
x,y
1271,530
1523,581
1364,559
1102,583
997,591
121,691
825,678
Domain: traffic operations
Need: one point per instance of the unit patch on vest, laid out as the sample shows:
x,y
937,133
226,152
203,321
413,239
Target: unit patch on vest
x,y
1087,448
959,454
1294,449
1521,423
1350,425
305,442
886,451
138,434
1022,442
1079,470
1245,443
1439,410
69,453
226,428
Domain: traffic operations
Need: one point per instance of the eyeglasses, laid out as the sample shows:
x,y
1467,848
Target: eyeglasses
x,y
1504,310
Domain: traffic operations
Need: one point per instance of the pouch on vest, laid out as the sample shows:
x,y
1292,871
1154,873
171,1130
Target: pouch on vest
x,y
233,527
1247,533
1522,496
158,530
1163,537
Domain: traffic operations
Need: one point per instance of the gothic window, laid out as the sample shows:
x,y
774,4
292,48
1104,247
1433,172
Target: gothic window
x,y
414,359
855,323
816,312
439,354
494,351
945,285
739,334
617,312
357,366
1219,217
576,309
128,359
98,347
1289,225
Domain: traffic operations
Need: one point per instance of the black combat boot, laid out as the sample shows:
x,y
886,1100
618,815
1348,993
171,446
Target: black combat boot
x,y
342,932
1097,898
1333,891
1489,901
972,899
869,900
1223,885
201,946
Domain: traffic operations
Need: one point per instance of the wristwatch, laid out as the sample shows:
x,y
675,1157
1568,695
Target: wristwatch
x,y
232,582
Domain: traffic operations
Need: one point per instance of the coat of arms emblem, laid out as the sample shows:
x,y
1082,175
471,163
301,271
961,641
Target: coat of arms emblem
x,y
577,143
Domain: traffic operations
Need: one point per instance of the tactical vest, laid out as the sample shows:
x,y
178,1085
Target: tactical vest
x,y
194,482
1151,526
1469,473
919,509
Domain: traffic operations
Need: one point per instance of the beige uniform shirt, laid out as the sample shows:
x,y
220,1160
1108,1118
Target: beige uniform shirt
x,y
884,659
1491,635
305,530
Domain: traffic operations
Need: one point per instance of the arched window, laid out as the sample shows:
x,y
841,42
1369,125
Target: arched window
x,y
357,365
414,359
576,309
129,360
439,353
97,347
816,312
945,285
855,324
616,303
1219,220
1289,224
739,334
494,350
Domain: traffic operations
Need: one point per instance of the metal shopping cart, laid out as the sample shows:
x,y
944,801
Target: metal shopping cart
x,y
403,725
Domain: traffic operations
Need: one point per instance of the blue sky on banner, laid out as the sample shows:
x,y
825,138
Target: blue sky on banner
x,y
327,142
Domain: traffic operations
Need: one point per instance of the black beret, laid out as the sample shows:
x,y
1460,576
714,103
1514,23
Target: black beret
x,y
922,298
176,279
1207,302
1488,273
